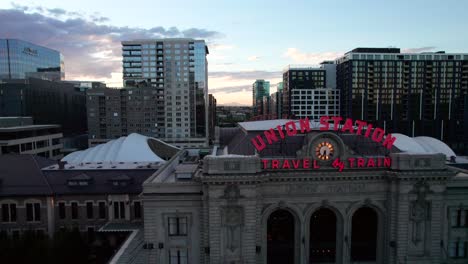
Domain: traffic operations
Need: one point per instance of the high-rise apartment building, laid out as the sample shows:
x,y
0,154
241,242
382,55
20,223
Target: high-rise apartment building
x,y
300,77
418,94
113,113
211,116
260,89
21,60
276,102
314,103
330,73
176,72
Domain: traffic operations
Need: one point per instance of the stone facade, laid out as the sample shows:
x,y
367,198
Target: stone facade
x,y
230,201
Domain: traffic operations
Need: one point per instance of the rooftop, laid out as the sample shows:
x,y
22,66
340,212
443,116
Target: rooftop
x,y
27,128
133,149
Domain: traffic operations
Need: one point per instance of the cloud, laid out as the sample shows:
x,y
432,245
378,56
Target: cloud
x,y
232,89
236,87
310,58
253,58
418,50
230,103
91,50
246,75
217,46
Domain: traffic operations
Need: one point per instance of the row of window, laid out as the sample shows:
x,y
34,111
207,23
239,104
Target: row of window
x,y
408,57
459,218
33,211
458,249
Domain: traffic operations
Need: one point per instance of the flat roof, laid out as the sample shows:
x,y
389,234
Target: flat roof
x,y
27,128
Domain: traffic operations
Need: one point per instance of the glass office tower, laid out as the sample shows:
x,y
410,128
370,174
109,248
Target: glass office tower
x,y
20,60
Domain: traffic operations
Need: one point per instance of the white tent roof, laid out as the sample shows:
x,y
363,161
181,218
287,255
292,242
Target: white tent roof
x,y
407,144
133,148
436,146
423,145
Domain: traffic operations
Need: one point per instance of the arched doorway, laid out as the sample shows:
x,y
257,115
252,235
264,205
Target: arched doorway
x,y
280,237
322,246
364,235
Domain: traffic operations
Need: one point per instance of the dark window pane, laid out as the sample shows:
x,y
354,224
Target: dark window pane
x,y
458,217
466,220
122,210
74,207
5,213
89,210
102,210
137,208
116,210
37,212
183,226
13,212
172,226
29,212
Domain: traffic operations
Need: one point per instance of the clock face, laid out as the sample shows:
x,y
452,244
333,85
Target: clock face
x,y
324,150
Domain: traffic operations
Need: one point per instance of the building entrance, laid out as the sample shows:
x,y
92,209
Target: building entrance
x,y
364,235
322,246
280,238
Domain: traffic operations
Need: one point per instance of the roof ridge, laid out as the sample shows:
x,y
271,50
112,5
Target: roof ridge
x,y
42,174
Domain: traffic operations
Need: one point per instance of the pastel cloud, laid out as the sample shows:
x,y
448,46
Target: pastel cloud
x,y
298,56
92,50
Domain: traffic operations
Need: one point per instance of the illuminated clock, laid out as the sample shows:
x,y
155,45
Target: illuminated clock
x,y
324,150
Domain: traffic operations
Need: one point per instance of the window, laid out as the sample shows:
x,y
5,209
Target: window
x,y
119,210
459,218
74,210
102,210
61,209
33,212
457,249
466,218
177,226
137,209
89,210
178,256
9,212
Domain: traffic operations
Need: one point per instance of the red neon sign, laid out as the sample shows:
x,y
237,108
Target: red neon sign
x,y
294,164
273,135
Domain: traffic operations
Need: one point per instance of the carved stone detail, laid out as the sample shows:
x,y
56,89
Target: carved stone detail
x,y
232,223
420,216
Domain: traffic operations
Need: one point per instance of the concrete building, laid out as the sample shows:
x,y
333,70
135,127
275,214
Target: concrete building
x,y
177,71
212,120
21,60
95,191
314,103
266,110
20,136
330,73
276,102
418,94
113,113
314,197
260,89
300,77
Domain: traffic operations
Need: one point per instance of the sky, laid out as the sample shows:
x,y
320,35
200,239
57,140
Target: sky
x,y
247,40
